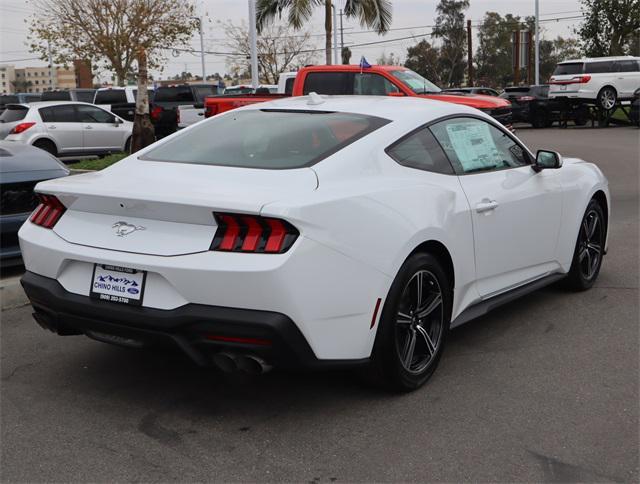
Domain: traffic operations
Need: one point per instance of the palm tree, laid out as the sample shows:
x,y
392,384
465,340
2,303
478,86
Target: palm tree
x,y
375,14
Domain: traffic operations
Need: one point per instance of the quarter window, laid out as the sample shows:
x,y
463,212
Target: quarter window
x,y
421,150
473,145
599,67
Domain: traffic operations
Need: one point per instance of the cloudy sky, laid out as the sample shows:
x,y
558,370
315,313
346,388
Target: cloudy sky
x,y
410,18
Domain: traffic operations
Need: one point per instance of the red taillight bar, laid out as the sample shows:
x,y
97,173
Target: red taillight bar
x,y
19,128
48,212
252,233
573,80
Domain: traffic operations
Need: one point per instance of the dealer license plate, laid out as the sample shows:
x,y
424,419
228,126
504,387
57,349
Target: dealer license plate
x,y
118,284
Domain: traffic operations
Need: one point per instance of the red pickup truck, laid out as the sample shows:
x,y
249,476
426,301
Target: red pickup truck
x,y
373,81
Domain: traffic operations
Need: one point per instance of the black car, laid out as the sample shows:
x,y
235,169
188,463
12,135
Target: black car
x,y
531,104
18,98
166,99
484,91
635,108
82,95
21,168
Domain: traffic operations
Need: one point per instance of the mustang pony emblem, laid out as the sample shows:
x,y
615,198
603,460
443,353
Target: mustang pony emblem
x,y
123,228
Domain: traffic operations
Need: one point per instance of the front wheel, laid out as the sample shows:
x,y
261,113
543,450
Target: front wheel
x,y
413,325
589,250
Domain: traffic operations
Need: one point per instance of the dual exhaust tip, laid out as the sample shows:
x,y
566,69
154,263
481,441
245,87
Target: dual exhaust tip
x,y
231,363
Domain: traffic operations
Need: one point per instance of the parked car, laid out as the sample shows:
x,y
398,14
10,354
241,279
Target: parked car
x,y
484,91
20,97
314,232
82,95
66,128
121,101
531,104
372,81
635,108
176,107
21,168
601,80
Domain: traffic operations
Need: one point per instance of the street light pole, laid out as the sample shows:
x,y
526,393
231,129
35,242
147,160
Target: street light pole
x,y
253,43
335,34
537,54
204,76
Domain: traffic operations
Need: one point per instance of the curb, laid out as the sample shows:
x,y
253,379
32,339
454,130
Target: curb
x,y
11,293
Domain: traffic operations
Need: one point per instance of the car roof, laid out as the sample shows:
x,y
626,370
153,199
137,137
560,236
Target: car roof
x,y
403,109
353,68
46,104
600,59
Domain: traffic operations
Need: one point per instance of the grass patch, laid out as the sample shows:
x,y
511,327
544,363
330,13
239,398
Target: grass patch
x,y
98,164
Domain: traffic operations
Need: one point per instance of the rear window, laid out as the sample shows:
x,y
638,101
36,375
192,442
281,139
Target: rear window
x,y
9,99
288,85
266,139
56,96
568,69
13,113
85,96
173,94
111,96
201,92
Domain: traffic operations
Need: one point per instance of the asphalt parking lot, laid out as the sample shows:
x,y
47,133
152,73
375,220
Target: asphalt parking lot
x,y
543,389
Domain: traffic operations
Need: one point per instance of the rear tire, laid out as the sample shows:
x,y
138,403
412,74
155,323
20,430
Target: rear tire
x,y
413,325
541,120
47,146
607,98
589,250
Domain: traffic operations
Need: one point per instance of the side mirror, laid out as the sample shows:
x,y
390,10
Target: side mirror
x,y
546,159
117,121
396,94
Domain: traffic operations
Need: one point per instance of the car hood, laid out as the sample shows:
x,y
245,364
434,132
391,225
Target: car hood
x,y
472,100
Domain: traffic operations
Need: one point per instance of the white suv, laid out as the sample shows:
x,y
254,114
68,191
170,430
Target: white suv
x,y
66,128
604,80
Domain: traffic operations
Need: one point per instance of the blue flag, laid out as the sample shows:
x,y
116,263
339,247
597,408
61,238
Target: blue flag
x,y
363,63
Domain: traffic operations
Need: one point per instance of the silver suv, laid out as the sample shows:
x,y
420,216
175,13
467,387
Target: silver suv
x,y
602,80
66,128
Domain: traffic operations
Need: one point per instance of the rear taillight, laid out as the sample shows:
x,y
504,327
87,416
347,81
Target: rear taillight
x,y
251,233
573,80
48,212
210,110
526,98
156,112
19,128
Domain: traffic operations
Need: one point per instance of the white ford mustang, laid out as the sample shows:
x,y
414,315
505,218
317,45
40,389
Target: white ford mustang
x,y
313,232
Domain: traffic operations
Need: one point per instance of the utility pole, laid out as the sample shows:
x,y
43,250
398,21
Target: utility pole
x,y
341,32
253,43
516,58
335,34
204,75
537,42
529,60
469,55
52,78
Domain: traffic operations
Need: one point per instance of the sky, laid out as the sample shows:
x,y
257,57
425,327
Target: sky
x,y
411,17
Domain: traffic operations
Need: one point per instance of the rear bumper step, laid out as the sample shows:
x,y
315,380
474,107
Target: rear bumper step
x,y
200,331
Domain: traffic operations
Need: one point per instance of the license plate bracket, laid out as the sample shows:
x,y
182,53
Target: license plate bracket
x,y
117,284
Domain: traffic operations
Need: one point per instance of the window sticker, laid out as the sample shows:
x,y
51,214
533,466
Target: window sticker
x,y
474,146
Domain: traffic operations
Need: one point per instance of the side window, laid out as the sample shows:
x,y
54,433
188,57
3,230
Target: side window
x,y
288,85
628,66
599,67
89,114
328,83
59,114
421,150
473,145
372,85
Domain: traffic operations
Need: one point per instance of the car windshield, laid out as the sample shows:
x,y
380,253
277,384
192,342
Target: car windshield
x,y
267,139
415,82
568,69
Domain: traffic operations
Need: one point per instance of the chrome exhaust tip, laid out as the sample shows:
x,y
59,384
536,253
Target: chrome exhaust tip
x,y
252,364
226,362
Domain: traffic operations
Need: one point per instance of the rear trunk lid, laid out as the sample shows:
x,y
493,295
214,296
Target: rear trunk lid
x,y
162,208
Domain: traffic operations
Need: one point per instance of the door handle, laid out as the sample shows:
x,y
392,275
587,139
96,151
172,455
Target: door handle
x,y
486,205
51,127
88,127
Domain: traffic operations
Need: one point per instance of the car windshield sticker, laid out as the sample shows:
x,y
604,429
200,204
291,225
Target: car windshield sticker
x,y
474,145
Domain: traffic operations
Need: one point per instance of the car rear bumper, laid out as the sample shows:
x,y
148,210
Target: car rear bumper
x,y
200,331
